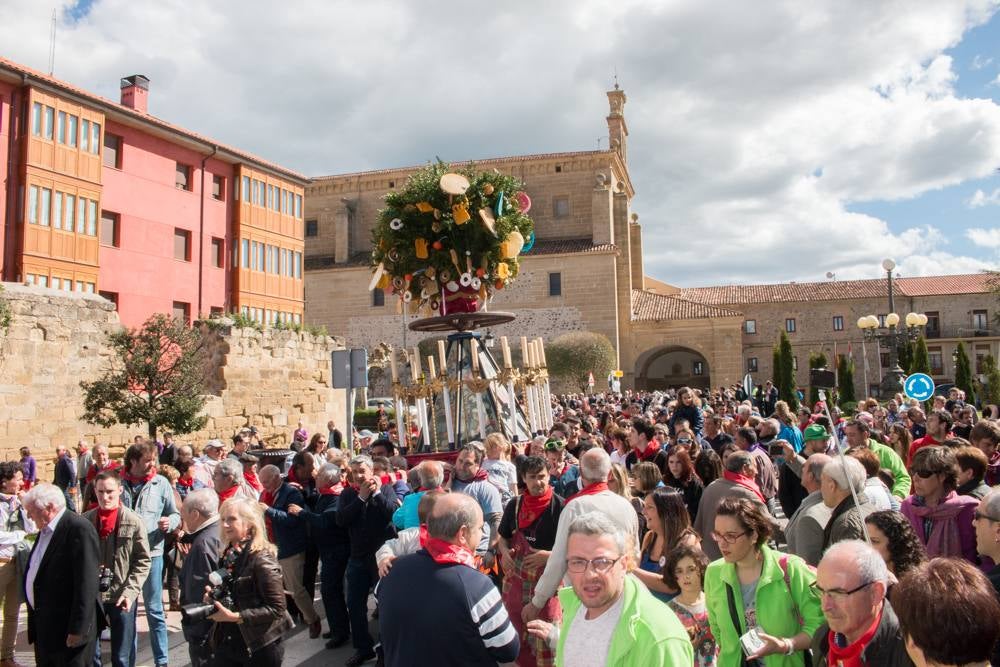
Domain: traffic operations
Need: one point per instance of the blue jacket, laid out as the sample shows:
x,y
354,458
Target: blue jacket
x,y
152,501
327,535
406,516
793,435
689,413
289,531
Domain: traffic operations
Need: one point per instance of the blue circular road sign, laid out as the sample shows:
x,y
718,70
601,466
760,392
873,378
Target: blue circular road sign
x,y
919,386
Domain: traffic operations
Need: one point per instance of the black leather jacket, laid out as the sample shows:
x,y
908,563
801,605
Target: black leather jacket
x,y
259,598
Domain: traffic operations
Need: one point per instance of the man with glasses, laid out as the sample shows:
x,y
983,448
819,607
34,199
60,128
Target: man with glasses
x,y
609,617
987,525
861,628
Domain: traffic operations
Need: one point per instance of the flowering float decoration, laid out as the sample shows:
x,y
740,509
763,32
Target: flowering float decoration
x,y
448,241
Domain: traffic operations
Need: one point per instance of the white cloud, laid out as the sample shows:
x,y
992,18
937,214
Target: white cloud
x,y
980,198
754,127
979,62
985,238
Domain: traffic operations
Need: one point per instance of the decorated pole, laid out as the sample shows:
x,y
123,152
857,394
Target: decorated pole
x,y
446,395
529,387
536,358
397,396
508,378
546,389
418,381
480,408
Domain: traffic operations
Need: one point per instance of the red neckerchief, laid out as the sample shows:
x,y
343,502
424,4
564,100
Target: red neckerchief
x,y
445,552
651,449
228,493
252,479
532,507
186,481
424,489
391,478
850,655
94,470
745,482
589,490
480,476
334,490
135,479
106,520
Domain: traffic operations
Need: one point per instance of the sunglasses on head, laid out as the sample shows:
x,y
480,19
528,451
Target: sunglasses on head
x,y
554,445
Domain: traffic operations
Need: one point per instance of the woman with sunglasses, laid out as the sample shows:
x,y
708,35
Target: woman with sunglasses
x,y
942,519
753,587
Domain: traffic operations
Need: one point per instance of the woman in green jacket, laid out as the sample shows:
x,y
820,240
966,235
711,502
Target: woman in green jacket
x,y
752,586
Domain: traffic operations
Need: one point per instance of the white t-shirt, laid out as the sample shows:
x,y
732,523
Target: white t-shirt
x,y
588,642
618,458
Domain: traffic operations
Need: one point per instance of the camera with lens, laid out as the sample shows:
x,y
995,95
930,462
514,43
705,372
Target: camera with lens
x,y
221,582
104,579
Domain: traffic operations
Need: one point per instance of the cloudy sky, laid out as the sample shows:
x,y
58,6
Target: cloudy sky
x,y
769,141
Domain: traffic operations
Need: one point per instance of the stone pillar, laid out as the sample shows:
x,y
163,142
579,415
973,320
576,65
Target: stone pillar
x,y
340,220
601,216
635,241
623,270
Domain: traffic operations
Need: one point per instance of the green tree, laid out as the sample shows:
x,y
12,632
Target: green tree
x,y
963,372
786,390
573,356
991,389
920,362
155,376
816,360
906,356
776,367
845,380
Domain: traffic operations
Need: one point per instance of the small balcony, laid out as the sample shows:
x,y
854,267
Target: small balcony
x,y
961,331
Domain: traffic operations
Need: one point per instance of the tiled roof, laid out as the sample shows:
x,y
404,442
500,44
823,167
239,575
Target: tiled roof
x,y
144,117
545,247
975,283
650,306
463,163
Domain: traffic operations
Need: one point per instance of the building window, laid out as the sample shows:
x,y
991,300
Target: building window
x,y
33,205
285,268
558,168
91,217
245,181
57,211
392,184
110,296
750,326
933,328
81,216
981,354
245,253
110,229
298,265
298,206
751,364
182,244
378,298
555,284
218,187
70,212
183,179
838,322
46,207
43,281
218,253
95,139
560,207
883,359
112,149
50,114
312,228
935,360
698,369
881,320
61,127
71,130
36,119
790,325
260,256
85,135
979,321
182,311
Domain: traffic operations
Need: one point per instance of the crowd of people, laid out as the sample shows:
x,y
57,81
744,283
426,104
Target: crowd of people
x,y
671,528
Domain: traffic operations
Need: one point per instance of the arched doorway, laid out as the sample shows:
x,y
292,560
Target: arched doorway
x,y
670,368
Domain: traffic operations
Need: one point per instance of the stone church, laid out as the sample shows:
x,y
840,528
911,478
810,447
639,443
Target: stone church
x,y
585,272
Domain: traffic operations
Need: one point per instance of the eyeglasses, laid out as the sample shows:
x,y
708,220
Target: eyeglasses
x,y
728,538
836,594
925,473
554,445
600,565
979,515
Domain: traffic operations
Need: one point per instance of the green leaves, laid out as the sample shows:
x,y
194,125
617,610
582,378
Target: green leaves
x,y
573,356
155,376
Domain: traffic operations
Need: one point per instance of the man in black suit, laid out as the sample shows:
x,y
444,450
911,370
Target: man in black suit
x,y
61,583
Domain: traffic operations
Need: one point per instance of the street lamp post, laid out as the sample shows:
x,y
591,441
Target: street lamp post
x,y
891,340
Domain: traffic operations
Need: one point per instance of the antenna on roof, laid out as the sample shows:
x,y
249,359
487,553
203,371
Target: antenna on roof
x,y
830,275
616,77
52,45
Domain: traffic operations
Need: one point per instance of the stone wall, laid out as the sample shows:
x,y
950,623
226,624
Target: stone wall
x,y
269,379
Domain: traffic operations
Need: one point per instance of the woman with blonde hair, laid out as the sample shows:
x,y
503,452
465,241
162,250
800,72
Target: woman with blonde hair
x,y
618,482
499,470
258,621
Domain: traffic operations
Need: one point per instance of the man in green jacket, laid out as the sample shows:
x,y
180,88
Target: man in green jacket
x,y
857,433
608,612
125,563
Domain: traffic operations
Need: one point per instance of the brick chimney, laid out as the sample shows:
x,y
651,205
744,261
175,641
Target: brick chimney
x,y
135,92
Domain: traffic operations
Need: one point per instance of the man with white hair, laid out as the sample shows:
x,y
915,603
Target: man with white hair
x,y
595,465
61,582
227,479
861,627
200,514
804,532
847,520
